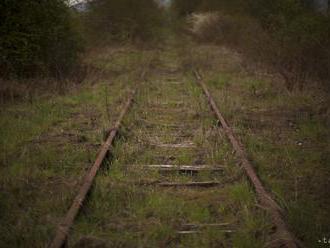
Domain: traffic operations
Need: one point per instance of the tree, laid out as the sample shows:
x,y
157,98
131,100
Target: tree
x,y
123,20
37,38
321,5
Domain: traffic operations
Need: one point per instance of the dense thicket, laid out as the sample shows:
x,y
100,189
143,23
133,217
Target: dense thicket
x,y
184,7
299,39
123,20
288,35
37,38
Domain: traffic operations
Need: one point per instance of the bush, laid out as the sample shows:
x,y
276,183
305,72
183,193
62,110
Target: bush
x,y
123,20
300,40
285,35
183,8
37,38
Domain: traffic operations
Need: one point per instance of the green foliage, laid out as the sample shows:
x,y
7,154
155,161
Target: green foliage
x,y
185,7
300,39
37,38
123,20
275,12
286,35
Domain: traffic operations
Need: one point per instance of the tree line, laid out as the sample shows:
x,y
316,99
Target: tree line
x,y
47,38
291,37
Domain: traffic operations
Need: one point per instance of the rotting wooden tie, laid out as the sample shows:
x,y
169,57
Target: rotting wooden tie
x,y
158,104
182,168
180,126
161,134
198,228
161,109
179,145
175,82
190,184
200,232
205,225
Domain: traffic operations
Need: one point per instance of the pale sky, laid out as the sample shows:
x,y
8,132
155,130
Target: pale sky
x,y
72,2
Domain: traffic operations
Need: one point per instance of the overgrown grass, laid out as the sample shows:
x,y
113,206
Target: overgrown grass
x,y
47,145
127,208
58,139
285,134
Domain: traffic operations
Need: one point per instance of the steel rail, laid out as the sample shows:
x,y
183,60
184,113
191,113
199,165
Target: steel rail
x,y
285,237
64,227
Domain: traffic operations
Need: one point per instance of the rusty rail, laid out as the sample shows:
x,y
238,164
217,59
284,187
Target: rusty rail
x,y
285,237
64,227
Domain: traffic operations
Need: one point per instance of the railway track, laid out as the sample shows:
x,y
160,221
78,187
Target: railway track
x,y
172,177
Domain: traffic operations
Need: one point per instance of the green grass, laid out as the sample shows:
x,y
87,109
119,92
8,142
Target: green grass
x,y
46,147
126,209
39,151
286,139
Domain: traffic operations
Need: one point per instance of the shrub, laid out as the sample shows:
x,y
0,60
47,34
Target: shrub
x,y
37,38
285,35
183,8
123,20
300,40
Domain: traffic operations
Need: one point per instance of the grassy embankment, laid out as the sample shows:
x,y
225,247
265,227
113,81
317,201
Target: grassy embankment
x,y
47,145
286,134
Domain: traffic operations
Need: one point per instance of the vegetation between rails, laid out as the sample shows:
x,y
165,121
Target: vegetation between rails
x,y
48,142
47,145
128,209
